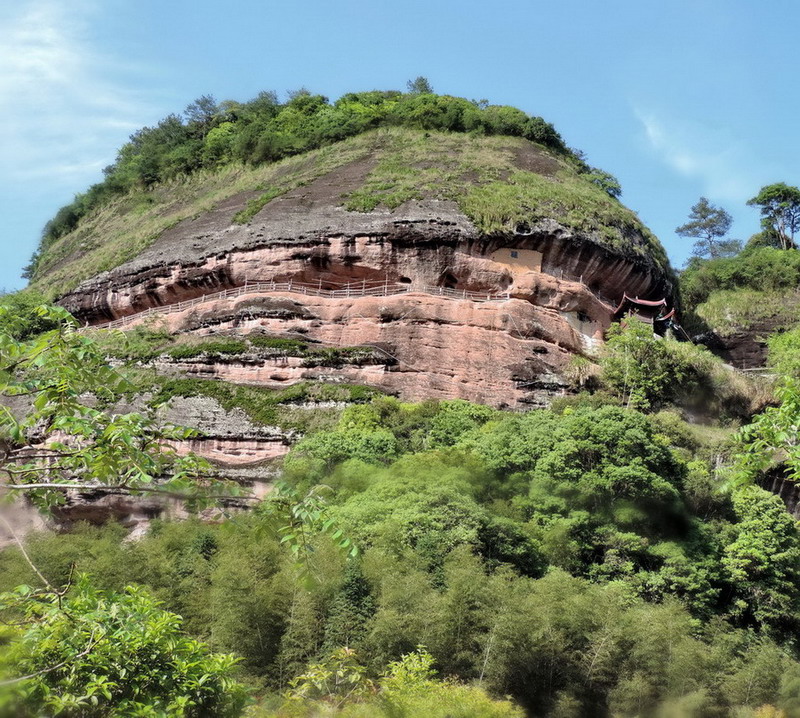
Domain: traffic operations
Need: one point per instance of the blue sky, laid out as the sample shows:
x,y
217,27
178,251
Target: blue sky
x,y
678,99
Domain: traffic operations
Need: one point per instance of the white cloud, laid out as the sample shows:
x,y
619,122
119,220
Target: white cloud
x,y
62,110
710,155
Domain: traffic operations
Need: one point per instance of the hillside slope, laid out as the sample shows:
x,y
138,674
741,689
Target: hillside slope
x,y
734,304
499,217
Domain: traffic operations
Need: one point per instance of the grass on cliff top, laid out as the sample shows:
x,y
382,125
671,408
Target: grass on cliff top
x,y
730,311
482,174
568,198
415,165
126,227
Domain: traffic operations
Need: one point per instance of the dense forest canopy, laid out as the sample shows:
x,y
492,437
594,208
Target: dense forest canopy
x,y
621,553
584,560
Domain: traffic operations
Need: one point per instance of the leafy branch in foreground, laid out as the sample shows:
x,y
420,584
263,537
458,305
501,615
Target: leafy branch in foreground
x,y
57,431
772,438
77,650
100,653
299,518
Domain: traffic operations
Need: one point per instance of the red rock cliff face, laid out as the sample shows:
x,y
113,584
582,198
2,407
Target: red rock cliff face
x,y
557,287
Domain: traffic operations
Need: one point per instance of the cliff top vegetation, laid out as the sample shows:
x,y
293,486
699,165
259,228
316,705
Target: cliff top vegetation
x,y
505,169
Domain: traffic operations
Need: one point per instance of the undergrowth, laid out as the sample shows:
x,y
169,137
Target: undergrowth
x,y
215,347
480,174
146,343
255,205
733,310
267,407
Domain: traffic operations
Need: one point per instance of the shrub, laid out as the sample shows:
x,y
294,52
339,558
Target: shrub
x,y
338,688
760,269
19,317
784,352
99,654
329,448
648,372
142,343
638,367
215,347
288,345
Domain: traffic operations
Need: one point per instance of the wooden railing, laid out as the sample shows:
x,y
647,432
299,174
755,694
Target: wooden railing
x,y
352,289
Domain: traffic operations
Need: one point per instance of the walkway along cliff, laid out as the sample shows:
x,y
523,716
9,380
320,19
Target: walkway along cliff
x,y
450,299
410,281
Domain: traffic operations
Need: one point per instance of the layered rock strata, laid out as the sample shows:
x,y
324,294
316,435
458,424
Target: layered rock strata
x,y
552,293
559,288
237,449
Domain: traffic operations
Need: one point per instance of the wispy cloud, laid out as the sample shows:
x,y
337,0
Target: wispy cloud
x,y
62,107
727,169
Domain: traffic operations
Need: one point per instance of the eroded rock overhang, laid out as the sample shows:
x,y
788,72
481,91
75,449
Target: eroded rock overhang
x,y
558,290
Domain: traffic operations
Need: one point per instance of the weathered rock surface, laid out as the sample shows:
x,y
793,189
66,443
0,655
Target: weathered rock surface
x,y
745,348
430,243
561,289
555,292
493,352
237,448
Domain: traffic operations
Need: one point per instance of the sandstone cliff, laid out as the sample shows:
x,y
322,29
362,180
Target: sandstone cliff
x,y
457,266
553,286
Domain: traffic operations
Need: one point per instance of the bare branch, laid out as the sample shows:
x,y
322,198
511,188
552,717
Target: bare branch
x,y
17,540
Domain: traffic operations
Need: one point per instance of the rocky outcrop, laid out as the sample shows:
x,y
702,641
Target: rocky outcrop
x,y
237,448
434,246
501,352
736,324
491,318
559,289
227,438
743,348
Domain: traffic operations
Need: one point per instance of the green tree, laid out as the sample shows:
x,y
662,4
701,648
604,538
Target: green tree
x,y
780,211
639,366
350,610
67,438
707,224
248,599
763,560
217,146
454,418
93,653
201,114
419,86
21,318
773,437
64,436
